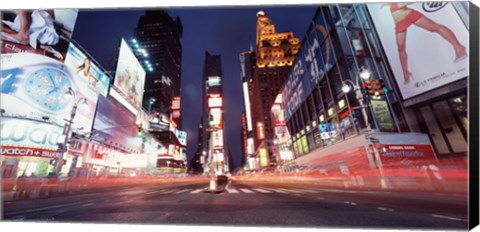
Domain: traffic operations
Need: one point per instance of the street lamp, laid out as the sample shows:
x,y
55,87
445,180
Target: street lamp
x,y
82,102
365,75
150,103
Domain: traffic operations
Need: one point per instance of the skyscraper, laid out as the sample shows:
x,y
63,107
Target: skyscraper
x,y
213,143
275,54
160,35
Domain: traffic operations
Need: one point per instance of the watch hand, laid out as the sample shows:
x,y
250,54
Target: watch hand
x,y
53,82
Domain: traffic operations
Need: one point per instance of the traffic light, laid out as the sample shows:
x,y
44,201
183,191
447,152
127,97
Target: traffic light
x,y
139,130
54,161
369,87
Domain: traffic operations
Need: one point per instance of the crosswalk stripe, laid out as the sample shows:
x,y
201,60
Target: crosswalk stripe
x,y
291,190
231,190
196,191
309,191
167,192
261,190
181,191
277,190
246,190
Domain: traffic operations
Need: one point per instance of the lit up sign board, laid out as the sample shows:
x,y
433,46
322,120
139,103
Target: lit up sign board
x,y
34,86
218,156
28,138
116,95
216,118
246,98
176,114
217,138
182,137
130,76
214,81
214,102
277,111
263,157
260,130
176,103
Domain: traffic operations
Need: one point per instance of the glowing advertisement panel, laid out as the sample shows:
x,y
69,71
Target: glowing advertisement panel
x,y
263,157
176,103
159,120
293,93
217,138
29,138
218,156
422,60
48,35
182,137
116,126
83,66
214,102
35,86
142,120
277,112
246,98
327,130
281,134
130,76
216,117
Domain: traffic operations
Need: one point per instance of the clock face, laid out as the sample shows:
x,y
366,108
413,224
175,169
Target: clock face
x,y
46,87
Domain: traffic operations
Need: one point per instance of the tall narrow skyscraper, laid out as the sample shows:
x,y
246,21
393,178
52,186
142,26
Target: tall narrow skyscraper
x,y
160,35
275,54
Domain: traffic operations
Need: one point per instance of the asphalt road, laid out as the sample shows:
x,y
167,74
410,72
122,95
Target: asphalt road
x,y
247,204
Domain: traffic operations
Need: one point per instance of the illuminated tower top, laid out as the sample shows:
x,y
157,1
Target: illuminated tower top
x,y
274,49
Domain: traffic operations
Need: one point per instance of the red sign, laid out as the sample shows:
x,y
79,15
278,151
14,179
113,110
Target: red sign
x,y
405,154
15,150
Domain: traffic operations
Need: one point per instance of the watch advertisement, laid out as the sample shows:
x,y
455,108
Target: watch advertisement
x,y
38,87
130,76
84,67
47,33
116,126
426,44
28,138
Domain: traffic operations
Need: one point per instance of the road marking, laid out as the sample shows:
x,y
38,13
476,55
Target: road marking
x,y
246,190
320,198
196,191
231,190
353,203
261,190
381,208
276,190
167,192
88,204
181,191
391,210
291,190
449,218
152,192
310,191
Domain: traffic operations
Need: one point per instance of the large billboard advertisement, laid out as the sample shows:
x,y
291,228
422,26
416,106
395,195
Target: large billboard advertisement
x,y
217,138
277,111
29,138
182,137
47,32
215,100
35,86
116,126
215,118
426,44
130,76
82,65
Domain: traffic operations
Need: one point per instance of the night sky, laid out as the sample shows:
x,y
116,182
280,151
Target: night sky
x,y
218,30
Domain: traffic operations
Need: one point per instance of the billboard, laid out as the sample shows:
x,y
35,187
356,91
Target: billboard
x,y
35,86
22,137
176,103
216,118
83,66
217,138
263,157
277,112
159,120
115,125
49,31
182,137
142,120
130,76
327,130
214,81
214,101
422,59
281,134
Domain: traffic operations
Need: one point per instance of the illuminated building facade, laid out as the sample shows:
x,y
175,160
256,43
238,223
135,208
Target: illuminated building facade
x,y
274,56
213,124
158,33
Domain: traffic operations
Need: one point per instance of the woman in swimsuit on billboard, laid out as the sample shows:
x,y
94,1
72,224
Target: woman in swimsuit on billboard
x,y
404,17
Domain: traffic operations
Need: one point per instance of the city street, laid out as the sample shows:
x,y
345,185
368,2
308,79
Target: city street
x,y
243,203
